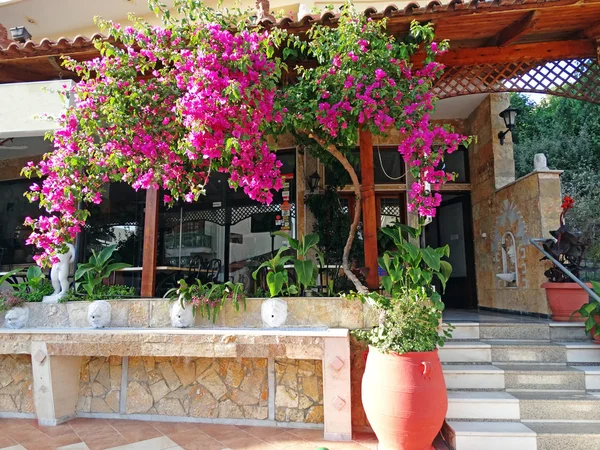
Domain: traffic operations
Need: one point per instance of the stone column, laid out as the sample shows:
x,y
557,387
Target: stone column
x,y
337,401
55,385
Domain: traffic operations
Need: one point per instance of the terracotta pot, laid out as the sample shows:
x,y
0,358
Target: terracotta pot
x,y
564,299
405,399
595,340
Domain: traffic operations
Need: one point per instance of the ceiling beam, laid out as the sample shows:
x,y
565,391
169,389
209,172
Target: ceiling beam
x,y
542,51
515,30
593,31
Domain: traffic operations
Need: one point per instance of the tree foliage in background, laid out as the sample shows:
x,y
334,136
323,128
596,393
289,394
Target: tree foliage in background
x,y
567,131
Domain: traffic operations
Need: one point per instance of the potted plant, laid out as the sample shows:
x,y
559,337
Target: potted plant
x,y
567,247
590,312
403,387
207,298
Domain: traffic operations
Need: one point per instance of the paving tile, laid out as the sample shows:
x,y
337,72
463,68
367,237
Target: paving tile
x,y
5,441
174,427
78,446
263,432
160,443
195,440
245,442
15,447
284,440
59,430
309,435
81,425
24,433
134,431
221,431
105,442
6,424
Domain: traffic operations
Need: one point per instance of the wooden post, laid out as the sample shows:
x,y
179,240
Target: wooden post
x,y
150,244
369,210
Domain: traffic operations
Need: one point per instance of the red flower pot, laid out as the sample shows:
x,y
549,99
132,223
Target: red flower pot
x,y
405,399
564,299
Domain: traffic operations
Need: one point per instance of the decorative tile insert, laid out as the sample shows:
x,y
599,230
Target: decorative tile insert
x,y
230,388
299,390
100,384
16,393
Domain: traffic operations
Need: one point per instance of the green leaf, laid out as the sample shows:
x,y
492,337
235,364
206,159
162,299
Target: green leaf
x,y
446,269
34,272
304,272
431,258
275,282
412,249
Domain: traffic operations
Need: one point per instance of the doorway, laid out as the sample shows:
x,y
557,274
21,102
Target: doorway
x,y
452,226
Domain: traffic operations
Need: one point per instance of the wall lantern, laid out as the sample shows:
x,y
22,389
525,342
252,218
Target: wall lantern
x,y
313,181
20,34
510,119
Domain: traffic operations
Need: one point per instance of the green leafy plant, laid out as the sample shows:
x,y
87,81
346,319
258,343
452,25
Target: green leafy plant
x,y
410,312
208,298
34,287
103,292
277,276
591,313
305,268
90,276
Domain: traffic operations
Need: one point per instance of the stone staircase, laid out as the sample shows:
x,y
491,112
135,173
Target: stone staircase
x,y
522,386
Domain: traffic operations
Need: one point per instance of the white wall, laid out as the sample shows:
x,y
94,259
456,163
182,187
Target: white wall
x,y
20,103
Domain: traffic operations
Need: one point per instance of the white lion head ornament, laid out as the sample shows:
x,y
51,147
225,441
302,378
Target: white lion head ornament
x,y
16,317
99,313
182,317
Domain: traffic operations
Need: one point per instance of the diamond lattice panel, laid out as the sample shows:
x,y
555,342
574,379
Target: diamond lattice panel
x,y
573,78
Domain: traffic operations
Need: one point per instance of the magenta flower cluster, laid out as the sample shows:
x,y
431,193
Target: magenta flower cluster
x,y
158,112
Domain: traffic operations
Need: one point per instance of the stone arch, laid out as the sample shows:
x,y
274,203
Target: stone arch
x,y
572,78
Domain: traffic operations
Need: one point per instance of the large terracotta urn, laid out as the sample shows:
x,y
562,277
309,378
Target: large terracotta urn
x,y
564,299
405,399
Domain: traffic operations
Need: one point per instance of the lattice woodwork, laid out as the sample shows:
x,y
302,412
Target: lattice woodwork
x,y
574,78
220,215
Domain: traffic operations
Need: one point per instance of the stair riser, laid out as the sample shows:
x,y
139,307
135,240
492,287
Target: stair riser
x,y
465,355
567,442
496,443
526,354
566,334
583,356
483,410
545,381
465,332
476,381
504,331
559,410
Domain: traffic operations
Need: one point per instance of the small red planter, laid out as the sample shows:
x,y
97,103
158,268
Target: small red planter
x,y
564,299
405,399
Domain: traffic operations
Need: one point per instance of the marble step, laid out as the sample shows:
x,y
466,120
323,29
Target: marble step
x,y
526,352
592,377
582,352
465,352
473,377
565,435
550,331
543,376
559,406
492,436
482,405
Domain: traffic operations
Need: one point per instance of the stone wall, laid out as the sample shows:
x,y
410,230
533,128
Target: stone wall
x,y
505,208
299,390
16,394
100,385
332,312
224,388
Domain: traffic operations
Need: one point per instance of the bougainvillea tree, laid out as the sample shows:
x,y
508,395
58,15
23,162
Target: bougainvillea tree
x,y
162,107
166,106
365,80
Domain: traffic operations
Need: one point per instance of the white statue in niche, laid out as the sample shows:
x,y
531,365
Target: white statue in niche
x,y
540,163
16,317
182,317
59,275
509,260
99,313
273,312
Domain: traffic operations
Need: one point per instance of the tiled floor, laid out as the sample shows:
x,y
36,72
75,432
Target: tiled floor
x,y
98,434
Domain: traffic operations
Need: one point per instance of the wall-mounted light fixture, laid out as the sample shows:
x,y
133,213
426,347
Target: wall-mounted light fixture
x,y
20,34
510,119
313,181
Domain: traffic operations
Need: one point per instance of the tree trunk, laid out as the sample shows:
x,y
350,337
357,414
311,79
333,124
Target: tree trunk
x,y
332,149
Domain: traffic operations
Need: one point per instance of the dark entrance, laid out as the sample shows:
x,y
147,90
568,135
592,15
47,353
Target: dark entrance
x,y
453,226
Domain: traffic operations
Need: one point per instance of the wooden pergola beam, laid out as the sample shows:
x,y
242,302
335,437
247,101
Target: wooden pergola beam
x,y
515,30
592,32
544,51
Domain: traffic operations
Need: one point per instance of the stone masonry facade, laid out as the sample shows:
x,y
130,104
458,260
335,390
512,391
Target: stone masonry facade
x,y
100,384
299,390
16,393
227,388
